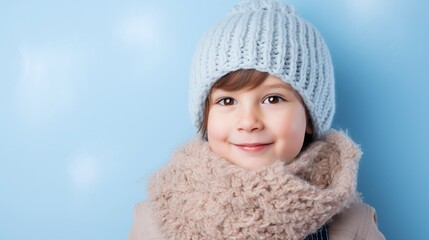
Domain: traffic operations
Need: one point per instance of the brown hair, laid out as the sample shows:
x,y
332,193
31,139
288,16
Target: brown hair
x,y
234,81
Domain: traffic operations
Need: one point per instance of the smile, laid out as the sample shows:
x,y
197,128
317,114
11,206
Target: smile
x,y
253,147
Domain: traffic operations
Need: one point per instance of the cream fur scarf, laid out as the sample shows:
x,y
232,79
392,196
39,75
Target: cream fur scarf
x,y
199,195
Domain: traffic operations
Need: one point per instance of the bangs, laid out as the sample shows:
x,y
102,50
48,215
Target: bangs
x,y
240,79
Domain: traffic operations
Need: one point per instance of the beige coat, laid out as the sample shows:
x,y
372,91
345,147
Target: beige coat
x,y
358,222
200,194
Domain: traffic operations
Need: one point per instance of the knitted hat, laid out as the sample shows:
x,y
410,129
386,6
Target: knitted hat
x,y
268,36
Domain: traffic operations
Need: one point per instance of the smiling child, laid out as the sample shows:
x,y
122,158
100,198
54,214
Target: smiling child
x,y
265,163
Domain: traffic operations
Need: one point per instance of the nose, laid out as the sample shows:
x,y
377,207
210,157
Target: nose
x,y
249,120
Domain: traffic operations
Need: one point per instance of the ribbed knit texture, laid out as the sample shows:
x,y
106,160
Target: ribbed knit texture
x,y
268,36
321,234
200,195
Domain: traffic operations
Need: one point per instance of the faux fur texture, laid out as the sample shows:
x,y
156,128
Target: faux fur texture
x,y
200,195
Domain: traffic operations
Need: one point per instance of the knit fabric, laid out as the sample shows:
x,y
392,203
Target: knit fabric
x,y
321,234
268,36
199,195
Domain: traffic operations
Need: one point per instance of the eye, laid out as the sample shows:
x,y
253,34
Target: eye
x,y
273,100
226,101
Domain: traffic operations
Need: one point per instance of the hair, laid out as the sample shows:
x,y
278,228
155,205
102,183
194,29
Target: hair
x,y
234,81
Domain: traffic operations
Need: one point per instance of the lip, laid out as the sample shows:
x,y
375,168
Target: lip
x,y
253,147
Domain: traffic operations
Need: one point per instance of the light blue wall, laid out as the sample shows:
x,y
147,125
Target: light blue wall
x,y
93,98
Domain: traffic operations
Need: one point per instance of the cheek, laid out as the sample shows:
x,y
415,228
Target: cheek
x,y
215,128
290,123
290,131
217,131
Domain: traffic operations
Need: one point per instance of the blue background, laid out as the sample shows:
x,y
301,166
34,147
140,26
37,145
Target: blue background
x,y
93,99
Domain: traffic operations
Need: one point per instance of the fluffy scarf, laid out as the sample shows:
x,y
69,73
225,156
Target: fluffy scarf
x,y
200,195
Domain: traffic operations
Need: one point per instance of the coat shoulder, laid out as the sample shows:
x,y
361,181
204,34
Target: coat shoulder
x,y
359,221
144,226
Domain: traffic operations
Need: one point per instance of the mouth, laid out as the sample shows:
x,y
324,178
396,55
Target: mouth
x,y
253,147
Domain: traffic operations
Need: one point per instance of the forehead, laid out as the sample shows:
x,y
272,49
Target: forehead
x,y
275,82
270,82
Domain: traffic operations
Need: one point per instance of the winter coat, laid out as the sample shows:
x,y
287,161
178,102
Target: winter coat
x,y
358,222
200,195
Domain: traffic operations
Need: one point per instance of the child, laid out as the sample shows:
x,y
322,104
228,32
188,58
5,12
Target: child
x,y
265,164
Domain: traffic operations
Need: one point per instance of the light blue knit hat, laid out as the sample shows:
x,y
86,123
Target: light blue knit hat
x,y
268,36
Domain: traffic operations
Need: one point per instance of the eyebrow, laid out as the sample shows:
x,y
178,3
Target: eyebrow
x,y
284,86
280,85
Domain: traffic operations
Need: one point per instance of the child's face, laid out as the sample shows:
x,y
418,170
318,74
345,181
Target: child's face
x,y
253,128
